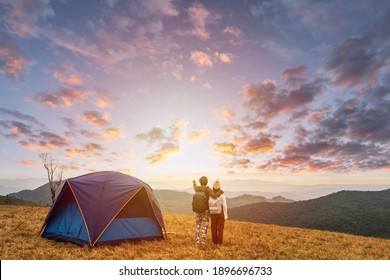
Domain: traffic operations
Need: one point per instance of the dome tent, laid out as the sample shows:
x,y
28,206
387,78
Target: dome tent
x,y
104,207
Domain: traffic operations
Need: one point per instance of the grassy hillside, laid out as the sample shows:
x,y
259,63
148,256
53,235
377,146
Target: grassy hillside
x,y
19,240
9,200
356,212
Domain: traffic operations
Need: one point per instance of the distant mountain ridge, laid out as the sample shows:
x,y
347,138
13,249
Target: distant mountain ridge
x,y
169,200
364,213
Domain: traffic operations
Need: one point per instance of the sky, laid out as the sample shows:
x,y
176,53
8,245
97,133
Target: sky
x,y
169,90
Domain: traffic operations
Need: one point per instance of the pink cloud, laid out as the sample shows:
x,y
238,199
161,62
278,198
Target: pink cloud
x,y
95,118
236,34
198,16
65,97
164,7
66,75
23,16
88,151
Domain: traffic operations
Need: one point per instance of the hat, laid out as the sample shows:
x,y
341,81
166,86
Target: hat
x,y
217,185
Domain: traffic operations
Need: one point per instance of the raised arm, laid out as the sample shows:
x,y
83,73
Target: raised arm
x,y
194,185
213,194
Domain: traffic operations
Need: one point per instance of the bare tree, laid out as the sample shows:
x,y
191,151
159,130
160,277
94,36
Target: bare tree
x,y
51,165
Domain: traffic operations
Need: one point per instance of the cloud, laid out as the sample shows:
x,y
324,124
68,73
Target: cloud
x,y
20,128
226,148
30,133
44,141
23,16
260,144
201,59
173,69
266,101
104,98
166,144
155,135
12,58
199,16
360,60
236,34
355,63
66,96
295,76
166,150
95,118
31,137
224,57
238,163
352,136
196,136
29,163
88,151
111,134
164,7
227,116
65,74
207,86
20,116
177,129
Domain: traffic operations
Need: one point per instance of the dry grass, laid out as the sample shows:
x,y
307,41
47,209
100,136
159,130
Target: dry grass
x,y
19,240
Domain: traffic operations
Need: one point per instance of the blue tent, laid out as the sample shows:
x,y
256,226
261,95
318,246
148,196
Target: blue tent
x,y
104,207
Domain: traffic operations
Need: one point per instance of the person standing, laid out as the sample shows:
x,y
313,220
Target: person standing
x,y
218,212
202,213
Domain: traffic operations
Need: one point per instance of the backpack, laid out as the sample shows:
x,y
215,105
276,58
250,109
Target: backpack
x,y
215,205
199,200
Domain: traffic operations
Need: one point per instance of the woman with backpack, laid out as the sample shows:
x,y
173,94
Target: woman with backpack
x,y
218,212
200,206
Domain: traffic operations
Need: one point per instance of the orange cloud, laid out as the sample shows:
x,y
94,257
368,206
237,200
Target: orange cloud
x,y
201,59
196,136
104,98
163,153
87,151
224,57
29,163
226,148
240,163
262,144
64,97
65,75
111,134
95,118
45,141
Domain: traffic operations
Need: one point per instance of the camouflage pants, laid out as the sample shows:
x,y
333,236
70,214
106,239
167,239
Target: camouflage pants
x,y
202,223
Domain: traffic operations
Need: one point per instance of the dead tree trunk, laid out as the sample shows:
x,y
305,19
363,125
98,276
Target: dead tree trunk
x,y
51,166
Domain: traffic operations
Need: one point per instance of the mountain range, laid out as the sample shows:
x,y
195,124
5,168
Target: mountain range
x,y
232,188
364,213
169,200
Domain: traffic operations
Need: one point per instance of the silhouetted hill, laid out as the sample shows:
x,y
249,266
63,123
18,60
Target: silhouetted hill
x,y
9,200
40,195
364,213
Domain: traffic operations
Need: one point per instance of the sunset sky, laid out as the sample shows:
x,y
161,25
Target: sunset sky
x,y
293,91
